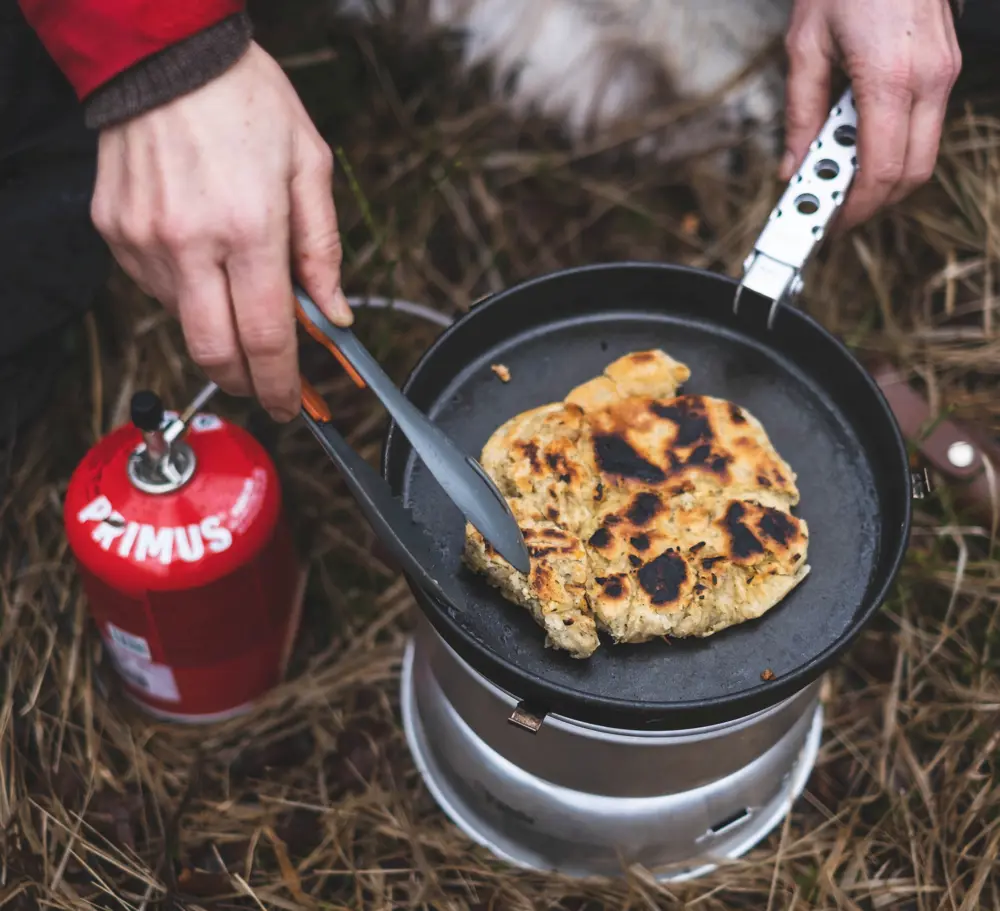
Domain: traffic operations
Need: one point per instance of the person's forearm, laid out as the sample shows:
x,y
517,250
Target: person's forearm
x,y
124,57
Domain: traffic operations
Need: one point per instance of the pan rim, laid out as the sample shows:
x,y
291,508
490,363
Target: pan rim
x,y
759,696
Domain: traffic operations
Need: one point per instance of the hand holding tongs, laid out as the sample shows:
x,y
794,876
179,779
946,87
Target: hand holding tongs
x,y
462,477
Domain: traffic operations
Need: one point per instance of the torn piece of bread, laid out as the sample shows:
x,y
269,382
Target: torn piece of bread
x,y
555,588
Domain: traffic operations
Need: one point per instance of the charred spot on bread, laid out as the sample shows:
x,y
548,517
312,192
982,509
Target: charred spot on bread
x,y
690,417
612,586
663,578
777,526
530,450
644,508
742,540
600,538
616,457
639,542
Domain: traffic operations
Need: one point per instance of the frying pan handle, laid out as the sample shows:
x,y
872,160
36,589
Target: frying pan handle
x,y
799,221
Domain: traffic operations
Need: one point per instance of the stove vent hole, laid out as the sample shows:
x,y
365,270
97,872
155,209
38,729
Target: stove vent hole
x,y
730,821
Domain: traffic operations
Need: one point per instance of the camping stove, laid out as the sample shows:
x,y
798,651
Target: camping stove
x,y
557,794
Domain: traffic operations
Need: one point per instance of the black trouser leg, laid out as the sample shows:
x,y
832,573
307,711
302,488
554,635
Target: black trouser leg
x,y
52,261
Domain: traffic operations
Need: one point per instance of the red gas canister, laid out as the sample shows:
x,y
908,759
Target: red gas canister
x,y
186,560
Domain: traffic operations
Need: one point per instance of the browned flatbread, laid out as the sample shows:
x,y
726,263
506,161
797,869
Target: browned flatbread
x,y
673,513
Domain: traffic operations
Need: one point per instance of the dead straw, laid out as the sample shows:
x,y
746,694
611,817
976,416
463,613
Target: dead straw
x,y
312,800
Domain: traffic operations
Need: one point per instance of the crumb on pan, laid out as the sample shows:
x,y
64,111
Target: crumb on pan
x,y
767,674
501,371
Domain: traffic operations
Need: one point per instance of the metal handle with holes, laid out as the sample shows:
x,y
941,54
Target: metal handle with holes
x,y
800,219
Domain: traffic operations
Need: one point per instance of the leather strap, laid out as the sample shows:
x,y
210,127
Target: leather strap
x,y
955,450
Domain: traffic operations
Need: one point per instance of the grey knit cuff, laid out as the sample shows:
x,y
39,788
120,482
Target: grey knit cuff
x,y
170,73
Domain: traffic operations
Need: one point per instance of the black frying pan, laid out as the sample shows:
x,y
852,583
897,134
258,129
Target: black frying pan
x,y
824,413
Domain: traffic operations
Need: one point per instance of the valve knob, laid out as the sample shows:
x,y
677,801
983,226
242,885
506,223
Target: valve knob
x,y
147,411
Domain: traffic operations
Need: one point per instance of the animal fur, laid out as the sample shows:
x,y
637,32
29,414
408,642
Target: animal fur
x,y
593,65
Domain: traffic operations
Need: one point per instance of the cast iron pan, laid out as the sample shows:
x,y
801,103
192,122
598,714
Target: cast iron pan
x,y
821,409
823,412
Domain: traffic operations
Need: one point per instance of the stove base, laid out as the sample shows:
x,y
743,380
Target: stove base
x,y
533,823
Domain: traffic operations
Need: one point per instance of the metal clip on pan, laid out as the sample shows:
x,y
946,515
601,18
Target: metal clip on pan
x,y
462,477
800,219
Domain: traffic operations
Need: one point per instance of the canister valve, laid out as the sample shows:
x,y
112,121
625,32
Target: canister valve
x,y
163,462
147,415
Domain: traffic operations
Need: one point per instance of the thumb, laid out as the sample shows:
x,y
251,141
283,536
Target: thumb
x,y
807,94
315,238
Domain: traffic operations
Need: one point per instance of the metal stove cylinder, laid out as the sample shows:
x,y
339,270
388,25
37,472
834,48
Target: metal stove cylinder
x,y
586,800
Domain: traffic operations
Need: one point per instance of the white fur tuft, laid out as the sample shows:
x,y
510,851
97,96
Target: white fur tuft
x,y
587,64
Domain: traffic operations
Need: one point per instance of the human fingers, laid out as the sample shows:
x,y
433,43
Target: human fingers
x,y
884,99
807,94
315,237
939,66
205,312
261,290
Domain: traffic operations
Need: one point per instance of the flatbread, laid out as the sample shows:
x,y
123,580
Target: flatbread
x,y
646,513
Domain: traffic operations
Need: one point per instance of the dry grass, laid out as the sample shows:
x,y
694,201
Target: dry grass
x,y
312,801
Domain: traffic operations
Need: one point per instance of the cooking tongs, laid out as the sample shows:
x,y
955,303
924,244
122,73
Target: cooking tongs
x,y
462,477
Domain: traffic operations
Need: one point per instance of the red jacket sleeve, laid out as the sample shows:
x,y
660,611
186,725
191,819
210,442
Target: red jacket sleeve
x,y
92,41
